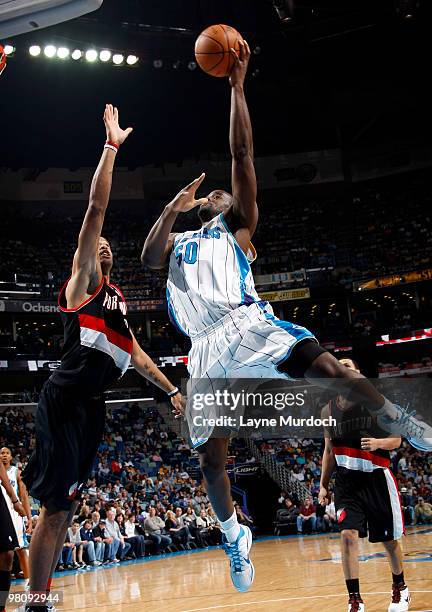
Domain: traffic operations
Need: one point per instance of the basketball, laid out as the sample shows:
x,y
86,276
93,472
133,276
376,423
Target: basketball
x,y
212,49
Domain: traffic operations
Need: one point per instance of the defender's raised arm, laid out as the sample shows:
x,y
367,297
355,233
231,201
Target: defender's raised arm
x,y
86,268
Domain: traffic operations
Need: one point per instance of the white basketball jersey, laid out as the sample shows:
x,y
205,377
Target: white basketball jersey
x,y
13,478
209,276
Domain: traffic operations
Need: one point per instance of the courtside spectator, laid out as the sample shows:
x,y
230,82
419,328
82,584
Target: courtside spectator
x,y
128,531
307,516
154,526
423,512
93,549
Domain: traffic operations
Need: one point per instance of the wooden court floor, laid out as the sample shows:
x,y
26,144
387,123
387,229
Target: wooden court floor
x,y
292,574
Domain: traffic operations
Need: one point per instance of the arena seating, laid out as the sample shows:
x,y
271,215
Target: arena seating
x,y
357,239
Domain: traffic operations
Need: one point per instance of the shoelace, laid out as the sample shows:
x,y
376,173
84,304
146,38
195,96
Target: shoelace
x,y
404,418
396,593
233,552
355,604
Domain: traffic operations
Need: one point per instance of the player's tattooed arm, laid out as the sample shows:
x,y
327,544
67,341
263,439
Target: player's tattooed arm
x,y
145,366
86,269
159,242
243,214
328,463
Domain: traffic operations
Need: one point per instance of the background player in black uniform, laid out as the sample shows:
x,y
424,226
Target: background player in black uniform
x,y
98,349
366,494
8,536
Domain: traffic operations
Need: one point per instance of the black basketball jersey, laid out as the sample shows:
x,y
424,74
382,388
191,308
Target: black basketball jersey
x,y
352,425
97,341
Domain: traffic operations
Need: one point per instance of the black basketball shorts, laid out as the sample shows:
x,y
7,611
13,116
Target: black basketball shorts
x,y
8,535
68,431
369,502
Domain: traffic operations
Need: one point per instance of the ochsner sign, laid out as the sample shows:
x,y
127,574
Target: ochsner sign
x,y
39,307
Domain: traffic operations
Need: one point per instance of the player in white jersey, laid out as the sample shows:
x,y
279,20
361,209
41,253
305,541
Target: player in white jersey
x,y
212,299
22,528
8,537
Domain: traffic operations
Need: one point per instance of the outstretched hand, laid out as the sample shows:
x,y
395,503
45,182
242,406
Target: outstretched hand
x,y
114,132
185,199
241,62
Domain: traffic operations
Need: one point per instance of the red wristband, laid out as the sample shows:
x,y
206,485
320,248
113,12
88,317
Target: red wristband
x,y
111,145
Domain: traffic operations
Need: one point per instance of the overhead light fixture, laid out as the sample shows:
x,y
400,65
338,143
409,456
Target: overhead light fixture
x,y
35,50
284,9
157,63
118,59
50,51
105,55
63,52
192,65
91,55
131,60
407,9
8,49
77,54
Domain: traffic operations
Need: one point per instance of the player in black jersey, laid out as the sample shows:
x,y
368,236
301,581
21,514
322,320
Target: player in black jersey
x,y
99,346
366,493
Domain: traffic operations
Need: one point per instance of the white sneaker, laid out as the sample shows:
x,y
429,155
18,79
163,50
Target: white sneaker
x,y
400,601
422,444
401,422
242,569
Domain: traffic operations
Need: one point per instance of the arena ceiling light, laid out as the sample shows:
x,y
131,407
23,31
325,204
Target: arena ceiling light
x,y
34,50
8,49
50,51
118,59
131,60
284,9
77,54
91,55
105,55
63,52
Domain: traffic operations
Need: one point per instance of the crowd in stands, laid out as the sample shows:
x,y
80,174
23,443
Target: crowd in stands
x,y
385,228
144,495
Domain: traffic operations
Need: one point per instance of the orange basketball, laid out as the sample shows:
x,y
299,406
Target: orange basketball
x,y
212,49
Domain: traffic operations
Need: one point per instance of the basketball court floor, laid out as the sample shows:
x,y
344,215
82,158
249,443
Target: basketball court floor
x,y
293,574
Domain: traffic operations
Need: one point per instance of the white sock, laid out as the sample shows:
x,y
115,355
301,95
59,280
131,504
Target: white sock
x,y
231,528
387,408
